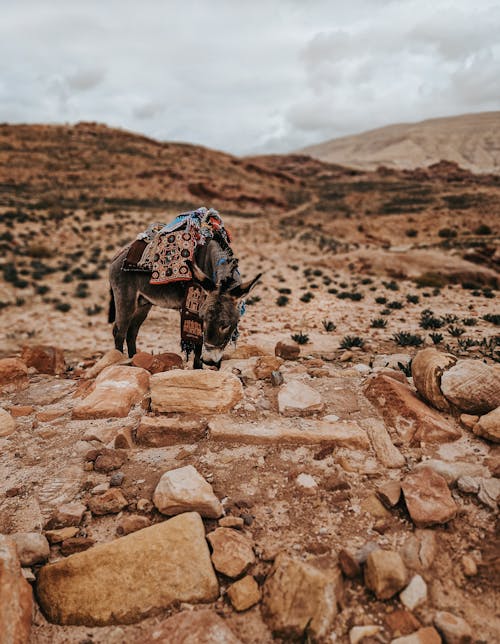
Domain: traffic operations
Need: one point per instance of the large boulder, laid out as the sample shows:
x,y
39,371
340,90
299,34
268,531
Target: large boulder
x,y
300,599
16,598
13,374
184,490
45,359
472,386
427,367
196,392
402,409
117,388
125,580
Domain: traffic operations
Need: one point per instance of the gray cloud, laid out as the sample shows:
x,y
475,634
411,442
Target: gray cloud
x,y
247,77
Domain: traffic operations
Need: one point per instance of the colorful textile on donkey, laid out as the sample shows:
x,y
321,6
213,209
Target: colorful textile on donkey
x,y
170,253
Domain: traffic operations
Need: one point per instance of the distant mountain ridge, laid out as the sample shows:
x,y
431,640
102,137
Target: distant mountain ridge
x,y
471,140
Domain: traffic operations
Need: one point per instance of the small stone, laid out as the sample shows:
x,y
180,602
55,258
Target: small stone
x,y
371,505
298,399
468,421
157,431
488,426
183,490
415,594
109,460
428,498
454,629
100,488
244,594
389,493
306,483
76,544
32,547
276,378
144,505
124,440
7,423
132,523
111,502
287,351
346,356
190,627
468,484
232,551
401,622
69,514
13,374
18,411
385,573
266,365
16,597
157,363
489,492
231,522
57,536
387,453
116,479
469,566
111,357
44,359
358,633
427,635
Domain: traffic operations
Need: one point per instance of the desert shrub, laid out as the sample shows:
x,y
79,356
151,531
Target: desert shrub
x,y
282,300
466,343
82,290
494,318
407,339
412,299
93,310
253,299
436,337
40,251
483,229
392,285
381,300
456,331
487,292
411,232
355,296
378,323
385,312
300,338
42,289
350,341
333,291
367,280
429,321
285,291
328,325
395,305
469,321
307,297
447,233
64,307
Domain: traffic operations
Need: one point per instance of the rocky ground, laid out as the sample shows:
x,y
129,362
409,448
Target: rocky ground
x,y
347,493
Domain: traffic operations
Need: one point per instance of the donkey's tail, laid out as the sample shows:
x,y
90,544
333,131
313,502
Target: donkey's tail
x,y
112,308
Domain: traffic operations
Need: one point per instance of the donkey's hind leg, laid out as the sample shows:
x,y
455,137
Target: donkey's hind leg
x,y
138,318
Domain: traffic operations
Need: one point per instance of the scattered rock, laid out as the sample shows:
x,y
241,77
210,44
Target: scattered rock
x,y
132,523
157,363
191,627
158,431
415,594
389,493
69,514
489,492
349,564
13,374
469,566
428,498
121,582
277,378
488,426
184,490
358,633
300,598
427,367
32,547
144,505
298,399
451,471
232,551
109,460
18,411
44,359
454,629
124,440
117,388
372,505
231,522
427,635
401,622
76,544
116,479
16,598
412,418
472,386
195,392
244,593
287,351
7,423
266,365
468,420
111,357
306,483
420,549
385,573
386,452
61,534
468,484
111,502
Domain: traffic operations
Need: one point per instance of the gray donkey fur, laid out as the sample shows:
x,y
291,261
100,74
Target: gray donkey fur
x,y
132,297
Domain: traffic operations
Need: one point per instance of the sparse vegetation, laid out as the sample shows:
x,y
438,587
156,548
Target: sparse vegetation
x,y
456,331
350,341
407,339
282,300
437,338
300,338
378,323
494,318
329,326
307,297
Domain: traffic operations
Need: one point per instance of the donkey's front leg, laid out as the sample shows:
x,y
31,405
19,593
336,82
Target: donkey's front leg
x,y
197,362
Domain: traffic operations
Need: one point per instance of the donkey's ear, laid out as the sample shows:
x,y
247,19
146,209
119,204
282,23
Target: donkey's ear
x,y
241,290
200,278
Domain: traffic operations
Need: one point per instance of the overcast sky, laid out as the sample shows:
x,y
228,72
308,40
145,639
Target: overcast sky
x,y
247,76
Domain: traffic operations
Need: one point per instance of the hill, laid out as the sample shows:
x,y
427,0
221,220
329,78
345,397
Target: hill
x,y
471,140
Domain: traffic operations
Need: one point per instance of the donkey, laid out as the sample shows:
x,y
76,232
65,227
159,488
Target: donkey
x,y
213,268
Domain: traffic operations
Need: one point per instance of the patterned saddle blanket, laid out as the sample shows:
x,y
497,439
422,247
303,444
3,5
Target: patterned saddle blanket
x,y
163,250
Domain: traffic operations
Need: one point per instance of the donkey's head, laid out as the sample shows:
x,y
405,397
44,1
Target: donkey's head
x,y
220,312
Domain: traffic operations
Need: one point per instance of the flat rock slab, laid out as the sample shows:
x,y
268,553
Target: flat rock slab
x,y
196,392
161,431
117,388
387,453
428,498
412,418
307,432
298,399
16,597
184,490
191,627
123,581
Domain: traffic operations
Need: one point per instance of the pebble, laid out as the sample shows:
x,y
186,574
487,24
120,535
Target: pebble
x,y
244,593
111,502
414,594
231,522
307,483
116,479
385,573
358,633
232,551
184,489
454,629
132,523
469,566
